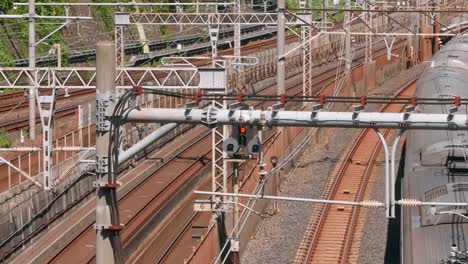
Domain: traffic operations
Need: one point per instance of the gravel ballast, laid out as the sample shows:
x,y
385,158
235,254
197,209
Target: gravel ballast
x,y
278,236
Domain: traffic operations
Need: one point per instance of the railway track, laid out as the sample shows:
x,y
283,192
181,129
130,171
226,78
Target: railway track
x,y
175,251
13,95
10,102
21,123
332,235
87,235
142,202
68,111
147,196
65,256
7,107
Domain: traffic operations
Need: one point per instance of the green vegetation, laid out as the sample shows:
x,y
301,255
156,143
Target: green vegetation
x,y
10,91
292,4
5,141
14,40
106,13
6,5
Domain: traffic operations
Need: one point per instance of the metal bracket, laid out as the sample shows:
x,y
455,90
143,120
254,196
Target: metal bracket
x,y
316,109
209,116
452,111
234,244
109,227
103,103
408,111
192,105
203,206
98,184
389,47
102,165
238,106
214,34
275,108
356,110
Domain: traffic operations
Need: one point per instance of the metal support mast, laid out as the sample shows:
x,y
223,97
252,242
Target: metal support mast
x,y
32,64
107,219
119,44
237,47
306,35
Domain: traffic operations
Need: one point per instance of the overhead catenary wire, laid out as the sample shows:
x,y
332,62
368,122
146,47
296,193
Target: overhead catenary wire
x,y
318,99
259,187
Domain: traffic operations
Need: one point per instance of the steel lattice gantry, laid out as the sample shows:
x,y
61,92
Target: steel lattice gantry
x,y
166,77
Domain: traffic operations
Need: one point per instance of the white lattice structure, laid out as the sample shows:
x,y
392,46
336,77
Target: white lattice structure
x,y
85,78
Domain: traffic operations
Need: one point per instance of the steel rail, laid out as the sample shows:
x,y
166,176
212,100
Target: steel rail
x,y
360,194
333,189
210,229
297,86
89,228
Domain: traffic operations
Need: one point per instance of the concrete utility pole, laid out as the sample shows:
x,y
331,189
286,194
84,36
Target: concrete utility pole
x,y
281,61
347,22
32,64
58,51
107,218
281,66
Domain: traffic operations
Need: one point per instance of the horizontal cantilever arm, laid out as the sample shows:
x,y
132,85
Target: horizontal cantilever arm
x,y
213,117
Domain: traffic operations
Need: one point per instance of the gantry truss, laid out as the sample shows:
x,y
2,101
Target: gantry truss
x,y
85,77
203,19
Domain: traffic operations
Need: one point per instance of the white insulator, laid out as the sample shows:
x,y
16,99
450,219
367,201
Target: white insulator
x,y
409,202
371,204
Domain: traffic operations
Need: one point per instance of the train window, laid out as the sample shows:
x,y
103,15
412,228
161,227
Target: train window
x,y
457,165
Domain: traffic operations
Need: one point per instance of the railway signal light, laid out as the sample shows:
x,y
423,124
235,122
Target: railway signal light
x,y
254,147
230,146
243,141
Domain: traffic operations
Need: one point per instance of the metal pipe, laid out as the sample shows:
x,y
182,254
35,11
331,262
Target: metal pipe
x,y
118,4
73,148
414,202
400,9
214,116
291,199
392,173
20,149
387,176
21,172
148,140
34,16
53,32
88,161
374,204
301,45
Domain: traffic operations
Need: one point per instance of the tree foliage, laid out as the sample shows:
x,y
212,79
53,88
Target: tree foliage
x,y
5,5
